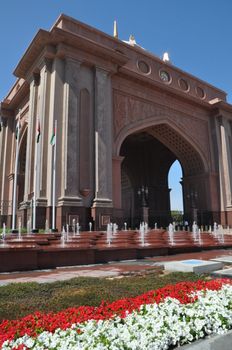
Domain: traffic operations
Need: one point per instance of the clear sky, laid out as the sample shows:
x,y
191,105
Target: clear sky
x,y
197,34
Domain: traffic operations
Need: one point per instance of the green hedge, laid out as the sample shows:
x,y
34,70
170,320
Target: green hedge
x,y
20,299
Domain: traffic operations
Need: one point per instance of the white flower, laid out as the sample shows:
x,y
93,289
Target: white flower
x,y
152,327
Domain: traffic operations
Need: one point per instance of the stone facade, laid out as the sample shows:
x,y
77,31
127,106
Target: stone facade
x,y
123,117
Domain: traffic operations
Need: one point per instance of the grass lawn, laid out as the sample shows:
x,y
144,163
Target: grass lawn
x,y
20,299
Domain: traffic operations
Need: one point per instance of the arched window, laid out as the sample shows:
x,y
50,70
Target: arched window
x,y
174,182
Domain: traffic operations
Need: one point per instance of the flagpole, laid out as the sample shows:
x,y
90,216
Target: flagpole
x,y
35,188
15,178
35,179
54,185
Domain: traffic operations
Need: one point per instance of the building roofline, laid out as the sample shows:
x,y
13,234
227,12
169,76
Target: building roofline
x,y
135,48
44,37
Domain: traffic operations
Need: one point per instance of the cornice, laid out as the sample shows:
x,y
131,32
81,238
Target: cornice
x,y
48,41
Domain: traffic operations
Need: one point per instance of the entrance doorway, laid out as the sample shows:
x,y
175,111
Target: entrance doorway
x,y
147,158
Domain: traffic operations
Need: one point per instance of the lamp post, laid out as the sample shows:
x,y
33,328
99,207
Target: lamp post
x,y
192,197
143,193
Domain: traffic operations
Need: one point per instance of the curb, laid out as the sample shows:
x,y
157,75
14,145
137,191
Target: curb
x,y
214,342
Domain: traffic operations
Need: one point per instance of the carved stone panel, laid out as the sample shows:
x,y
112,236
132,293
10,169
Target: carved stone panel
x,y
130,111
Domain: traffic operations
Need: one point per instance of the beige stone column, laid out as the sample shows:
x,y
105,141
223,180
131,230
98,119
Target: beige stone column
x,y
31,135
7,161
117,200
70,135
103,139
55,113
6,166
43,115
2,148
225,166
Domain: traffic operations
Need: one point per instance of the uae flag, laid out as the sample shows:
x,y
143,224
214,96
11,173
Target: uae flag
x,y
53,138
38,132
17,130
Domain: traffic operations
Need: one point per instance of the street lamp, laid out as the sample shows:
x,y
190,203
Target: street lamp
x,y
143,196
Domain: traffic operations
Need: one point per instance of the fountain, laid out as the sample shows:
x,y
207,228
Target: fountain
x,y
46,226
20,230
115,228
145,227
195,231
63,233
171,233
78,228
220,234
215,228
142,233
74,226
67,232
199,237
109,233
4,234
90,226
156,226
125,226
29,226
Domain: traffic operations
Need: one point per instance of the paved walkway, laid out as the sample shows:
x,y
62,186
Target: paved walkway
x,y
112,269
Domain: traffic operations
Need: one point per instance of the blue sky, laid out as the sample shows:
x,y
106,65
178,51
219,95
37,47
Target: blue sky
x,y
197,34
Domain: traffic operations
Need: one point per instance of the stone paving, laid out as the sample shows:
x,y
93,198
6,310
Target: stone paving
x,y
193,265
111,269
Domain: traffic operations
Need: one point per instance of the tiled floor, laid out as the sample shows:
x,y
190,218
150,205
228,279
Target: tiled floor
x,y
112,269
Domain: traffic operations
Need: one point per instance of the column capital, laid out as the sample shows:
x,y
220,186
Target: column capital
x,y
72,72
47,64
34,79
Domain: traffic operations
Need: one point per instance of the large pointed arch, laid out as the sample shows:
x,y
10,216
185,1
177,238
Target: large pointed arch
x,y
169,133
148,154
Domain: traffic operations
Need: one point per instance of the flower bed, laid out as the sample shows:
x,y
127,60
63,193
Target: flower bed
x,y
160,319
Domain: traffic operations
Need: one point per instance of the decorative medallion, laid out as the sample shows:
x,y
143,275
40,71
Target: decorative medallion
x,y
200,92
183,84
144,67
164,76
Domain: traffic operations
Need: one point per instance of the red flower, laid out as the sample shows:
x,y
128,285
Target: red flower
x,y
38,322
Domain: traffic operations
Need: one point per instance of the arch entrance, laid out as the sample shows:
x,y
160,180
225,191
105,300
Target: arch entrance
x,y
148,155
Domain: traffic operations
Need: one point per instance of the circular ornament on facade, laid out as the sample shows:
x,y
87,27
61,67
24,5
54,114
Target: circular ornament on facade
x,y
144,67
200,92
165,76
183,84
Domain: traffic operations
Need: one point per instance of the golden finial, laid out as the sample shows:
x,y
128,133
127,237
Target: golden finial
x,y
115,29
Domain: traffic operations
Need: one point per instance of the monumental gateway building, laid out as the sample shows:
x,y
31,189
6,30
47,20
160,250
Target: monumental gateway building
x,y
122,117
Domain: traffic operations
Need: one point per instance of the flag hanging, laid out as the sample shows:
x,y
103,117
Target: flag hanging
x,y
17,130
53,138
0,124
38,132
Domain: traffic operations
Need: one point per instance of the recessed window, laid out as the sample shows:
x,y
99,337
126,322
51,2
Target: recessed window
x,y
200,92
164,76
183,84
144,67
